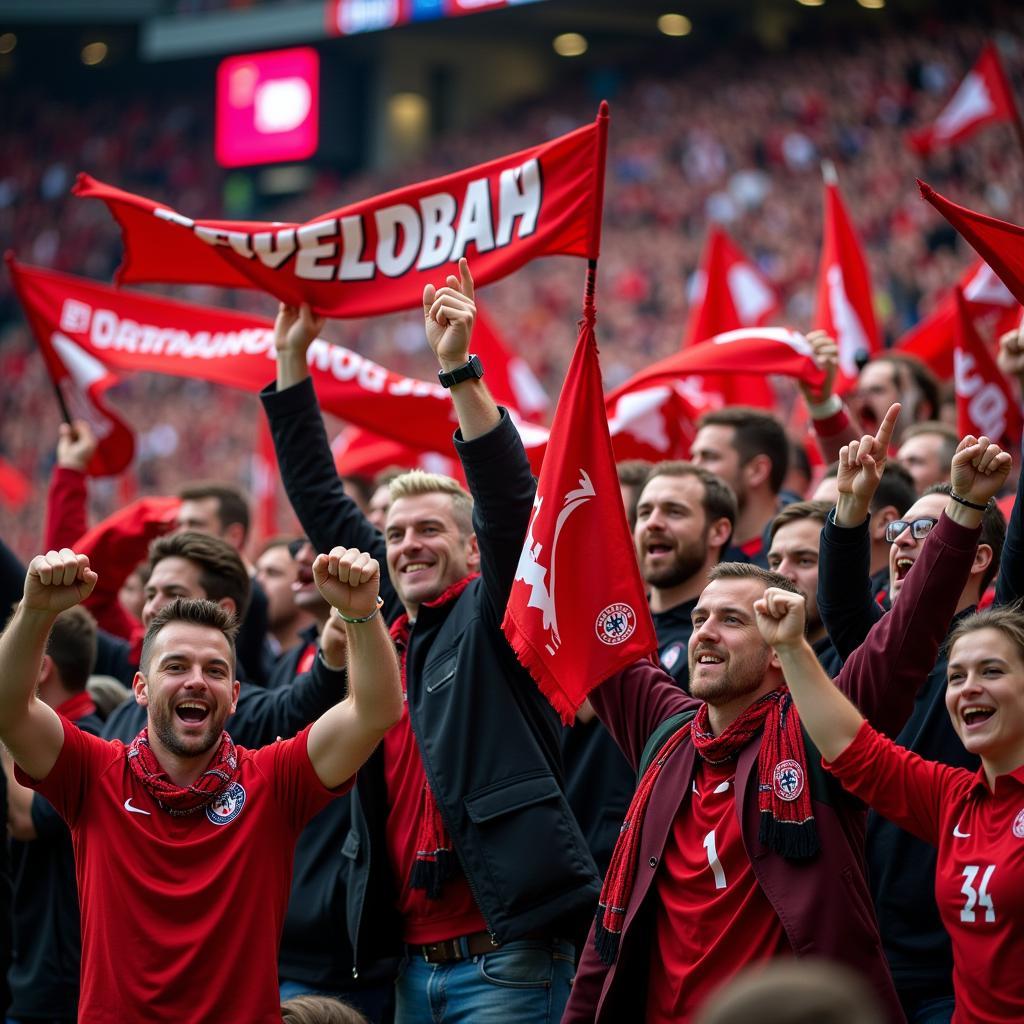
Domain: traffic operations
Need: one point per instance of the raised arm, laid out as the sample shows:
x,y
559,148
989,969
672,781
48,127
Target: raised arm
x,y
830,719
341,740
32,731
830,418
1010,581
847,608
329,516
66,498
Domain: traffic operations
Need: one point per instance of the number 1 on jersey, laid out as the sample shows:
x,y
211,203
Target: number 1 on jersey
x,y
713,862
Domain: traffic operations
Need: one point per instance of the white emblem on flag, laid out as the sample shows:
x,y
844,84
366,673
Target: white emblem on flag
x,y
1018,825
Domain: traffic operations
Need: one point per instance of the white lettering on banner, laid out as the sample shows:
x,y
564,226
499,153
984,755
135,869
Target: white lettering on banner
x,y
74,316
437,232
987,406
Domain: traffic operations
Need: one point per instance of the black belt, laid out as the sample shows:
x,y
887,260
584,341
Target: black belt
x,y
463,947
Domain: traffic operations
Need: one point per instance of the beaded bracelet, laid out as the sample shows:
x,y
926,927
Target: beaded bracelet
x,y
970,504
365,618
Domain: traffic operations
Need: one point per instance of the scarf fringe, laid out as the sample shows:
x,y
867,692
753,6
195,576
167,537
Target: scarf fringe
x,y
606,942
430,871
794,840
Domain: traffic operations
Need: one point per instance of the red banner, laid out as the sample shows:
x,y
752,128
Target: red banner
x,y
845,307
375,256
571,622
983,97
998,242
985,403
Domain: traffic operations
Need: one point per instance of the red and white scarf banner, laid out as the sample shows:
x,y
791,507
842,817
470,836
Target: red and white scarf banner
x,y
985,403
128,332
375,256
998,242
757,350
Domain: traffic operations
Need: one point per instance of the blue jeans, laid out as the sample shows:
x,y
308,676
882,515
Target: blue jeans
x,y
522,982
932,1011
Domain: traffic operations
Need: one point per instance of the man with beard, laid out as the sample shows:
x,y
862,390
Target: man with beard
x,y
684,519
895,377
793,553
737,848
186,928
749,450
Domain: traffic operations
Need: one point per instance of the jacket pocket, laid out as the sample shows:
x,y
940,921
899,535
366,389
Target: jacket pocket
x,y
440,673
526,840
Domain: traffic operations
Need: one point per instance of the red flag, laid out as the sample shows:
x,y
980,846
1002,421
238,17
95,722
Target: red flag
x,y
990,306
15,488
985,403
983,97
509,378
732,293
264,484
999,243
375,256
570,621
760,350
80,378
845,308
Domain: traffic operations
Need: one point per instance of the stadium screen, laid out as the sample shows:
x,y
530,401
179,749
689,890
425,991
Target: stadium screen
x,y
348,17
268,107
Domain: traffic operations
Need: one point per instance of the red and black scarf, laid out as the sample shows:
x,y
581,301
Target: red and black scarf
x,y
787,821
435,857
179,800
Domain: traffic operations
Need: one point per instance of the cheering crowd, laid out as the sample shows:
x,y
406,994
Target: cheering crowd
x,y
344,773
350,701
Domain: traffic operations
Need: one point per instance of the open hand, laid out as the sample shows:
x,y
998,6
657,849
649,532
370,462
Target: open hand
x,y
295,329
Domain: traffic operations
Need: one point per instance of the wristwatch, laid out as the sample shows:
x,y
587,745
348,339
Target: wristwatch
x,y
467,371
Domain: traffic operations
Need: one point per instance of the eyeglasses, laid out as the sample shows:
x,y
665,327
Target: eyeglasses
x,y
919,528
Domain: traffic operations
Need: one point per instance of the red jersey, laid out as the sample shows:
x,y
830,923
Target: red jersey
x,y
979,879
424,920
707,895
181,916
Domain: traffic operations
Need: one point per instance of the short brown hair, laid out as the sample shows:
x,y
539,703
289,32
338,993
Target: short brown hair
x,y
196,612
232,505
1008,619
817,510
909,369
755,432
415,482
949,434
719,501
750,571
72,647
222,573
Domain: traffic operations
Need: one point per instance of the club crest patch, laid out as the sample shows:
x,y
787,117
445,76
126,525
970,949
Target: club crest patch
x,y
671,655
788,780
1018,824
616,624
227,806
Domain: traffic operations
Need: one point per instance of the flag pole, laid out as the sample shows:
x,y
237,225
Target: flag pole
x,y
594,247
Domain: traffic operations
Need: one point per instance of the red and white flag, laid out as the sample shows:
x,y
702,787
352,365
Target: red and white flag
x,y
570,620
509,377
845,308
731,293
998,242
756,350
360,452
983,97
79,377
375,256
985,403
990,306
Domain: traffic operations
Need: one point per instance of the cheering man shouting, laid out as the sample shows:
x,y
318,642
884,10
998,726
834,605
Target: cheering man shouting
x,y
185,928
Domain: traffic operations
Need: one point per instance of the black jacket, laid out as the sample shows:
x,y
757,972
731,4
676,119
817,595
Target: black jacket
x,y
488,739
674,628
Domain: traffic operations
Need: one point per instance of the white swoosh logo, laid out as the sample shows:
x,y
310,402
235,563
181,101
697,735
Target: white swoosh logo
x,y
957,834
133,810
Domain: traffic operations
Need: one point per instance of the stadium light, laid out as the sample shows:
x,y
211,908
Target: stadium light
x,y
8,41
570,44
811,3
94,53
872,5
675,25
